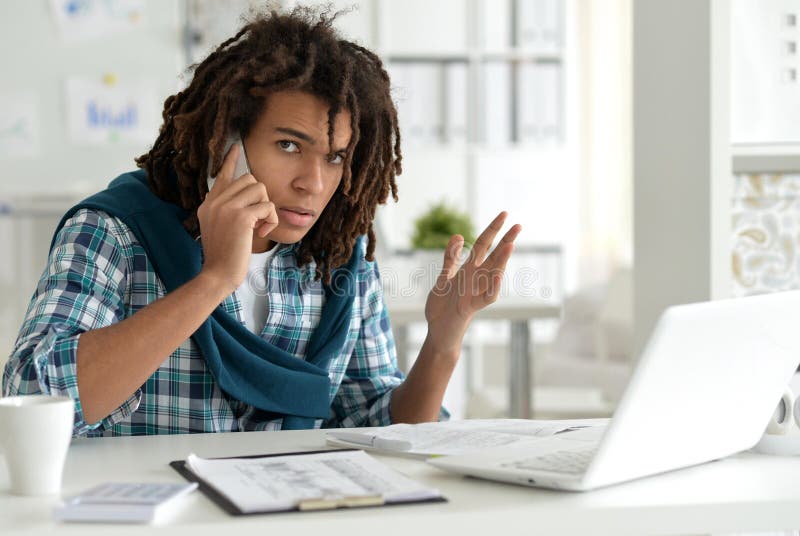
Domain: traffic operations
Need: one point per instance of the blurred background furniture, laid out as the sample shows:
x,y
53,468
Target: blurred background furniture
x,y
531,292
27,223
582,362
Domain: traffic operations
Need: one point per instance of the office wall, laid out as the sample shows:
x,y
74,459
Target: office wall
x,y
36,61
682,158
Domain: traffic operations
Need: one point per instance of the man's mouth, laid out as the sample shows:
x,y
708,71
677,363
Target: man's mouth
x,y
296,216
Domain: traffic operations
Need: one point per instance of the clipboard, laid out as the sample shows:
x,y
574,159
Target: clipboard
x,y
313,505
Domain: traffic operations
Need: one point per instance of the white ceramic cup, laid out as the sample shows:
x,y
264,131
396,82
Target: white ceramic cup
x,y
35,432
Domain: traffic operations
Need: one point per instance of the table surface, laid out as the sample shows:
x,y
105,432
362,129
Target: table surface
x,y
748,492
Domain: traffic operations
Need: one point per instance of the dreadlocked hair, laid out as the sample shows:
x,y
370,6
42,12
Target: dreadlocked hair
x,y
277,51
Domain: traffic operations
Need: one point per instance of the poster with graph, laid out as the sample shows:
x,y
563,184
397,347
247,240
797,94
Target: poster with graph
x,y
19,126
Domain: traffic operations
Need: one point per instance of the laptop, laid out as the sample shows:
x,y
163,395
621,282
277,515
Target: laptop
x,y
704,388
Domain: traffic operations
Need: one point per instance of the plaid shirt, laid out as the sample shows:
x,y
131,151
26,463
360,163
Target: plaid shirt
x,y
98,274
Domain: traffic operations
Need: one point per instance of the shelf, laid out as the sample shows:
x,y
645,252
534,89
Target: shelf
x,y
761,149
766,158
519,56
422,57
483,149
474,56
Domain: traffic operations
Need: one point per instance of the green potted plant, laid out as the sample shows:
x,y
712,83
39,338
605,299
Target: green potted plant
x,y
433,229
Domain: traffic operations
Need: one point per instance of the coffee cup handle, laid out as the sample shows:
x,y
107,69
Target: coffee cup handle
x,y
783,419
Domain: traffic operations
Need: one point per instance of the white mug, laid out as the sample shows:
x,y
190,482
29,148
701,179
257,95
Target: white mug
x,y
786,418
35,432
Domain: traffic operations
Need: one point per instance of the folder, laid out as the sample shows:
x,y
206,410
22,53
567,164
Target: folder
x,y
225,481
494,18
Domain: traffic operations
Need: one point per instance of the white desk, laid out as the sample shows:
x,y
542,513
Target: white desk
x,y
516,310
746,493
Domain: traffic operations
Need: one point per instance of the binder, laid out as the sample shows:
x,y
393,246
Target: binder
x,y
539,24
494,17
497,119
455,130
425,99
230,506
529,104
550,75
539,103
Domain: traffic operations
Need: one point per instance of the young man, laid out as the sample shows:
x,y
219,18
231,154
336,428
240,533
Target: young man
x,y
127,319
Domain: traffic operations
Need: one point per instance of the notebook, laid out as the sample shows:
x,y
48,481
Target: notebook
x,y
428,439
305,481
704,388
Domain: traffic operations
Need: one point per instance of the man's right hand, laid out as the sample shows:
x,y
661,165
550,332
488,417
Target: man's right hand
x,y
233,210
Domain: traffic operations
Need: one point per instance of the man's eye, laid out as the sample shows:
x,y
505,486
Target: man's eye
x,y
336,159
288,146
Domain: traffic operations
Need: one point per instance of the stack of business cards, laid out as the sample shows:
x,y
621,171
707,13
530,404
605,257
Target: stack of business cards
x,y
115,502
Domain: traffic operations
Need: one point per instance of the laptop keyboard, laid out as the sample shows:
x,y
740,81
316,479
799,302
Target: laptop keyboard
x,y
562,461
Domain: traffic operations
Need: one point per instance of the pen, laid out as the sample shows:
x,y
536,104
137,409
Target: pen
x,y
371,440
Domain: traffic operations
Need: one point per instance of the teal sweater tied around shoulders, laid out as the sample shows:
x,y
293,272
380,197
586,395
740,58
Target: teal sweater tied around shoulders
x,y
243,364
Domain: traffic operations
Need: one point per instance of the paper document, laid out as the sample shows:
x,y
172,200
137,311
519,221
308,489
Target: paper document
x,y
326,480
457,437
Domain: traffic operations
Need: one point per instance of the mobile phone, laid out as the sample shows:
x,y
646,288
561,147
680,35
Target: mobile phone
x,y
242,166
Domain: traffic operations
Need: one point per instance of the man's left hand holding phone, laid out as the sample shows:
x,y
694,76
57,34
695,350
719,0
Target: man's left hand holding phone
x,y
236,207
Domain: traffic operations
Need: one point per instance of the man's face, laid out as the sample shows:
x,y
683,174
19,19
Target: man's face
x,y
288,152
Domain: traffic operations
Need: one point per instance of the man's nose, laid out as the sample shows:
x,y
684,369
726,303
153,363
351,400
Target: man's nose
x,y
311,177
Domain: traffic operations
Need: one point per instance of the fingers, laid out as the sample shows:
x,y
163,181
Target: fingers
x,y
225,175
269,221
500,255
488,277
262,217
264,227
495,279
243,193
451,255
486,238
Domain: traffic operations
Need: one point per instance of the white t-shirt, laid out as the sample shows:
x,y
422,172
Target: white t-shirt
x,y
252,293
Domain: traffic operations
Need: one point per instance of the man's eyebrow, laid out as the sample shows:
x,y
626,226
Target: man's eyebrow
x,y
305,137
297,134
